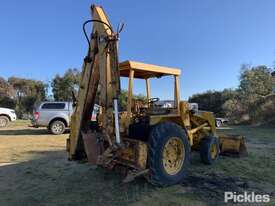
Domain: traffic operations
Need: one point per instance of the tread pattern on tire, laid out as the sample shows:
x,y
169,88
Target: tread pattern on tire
x,y
205,149
156,144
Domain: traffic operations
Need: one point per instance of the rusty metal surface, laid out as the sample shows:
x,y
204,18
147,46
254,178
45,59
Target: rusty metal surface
x,y
233,145
92,146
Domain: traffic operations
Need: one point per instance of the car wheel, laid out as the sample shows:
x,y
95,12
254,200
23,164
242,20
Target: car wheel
x,y
169,153
218,123
209,150
4,121
57,127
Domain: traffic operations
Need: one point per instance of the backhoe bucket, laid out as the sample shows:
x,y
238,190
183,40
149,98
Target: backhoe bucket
x,y
233,145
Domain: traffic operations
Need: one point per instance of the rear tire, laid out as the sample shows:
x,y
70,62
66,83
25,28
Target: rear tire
x,y
169,154
57,127
218,123
4,121
209,150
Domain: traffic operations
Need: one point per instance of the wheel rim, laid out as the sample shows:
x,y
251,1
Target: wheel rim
x,y
57,128
213,151
3,122
173,155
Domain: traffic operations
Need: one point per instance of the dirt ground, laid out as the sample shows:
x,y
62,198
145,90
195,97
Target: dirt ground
x,y
34,171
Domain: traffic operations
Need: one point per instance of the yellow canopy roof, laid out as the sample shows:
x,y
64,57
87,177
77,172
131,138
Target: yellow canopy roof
x,y
144,71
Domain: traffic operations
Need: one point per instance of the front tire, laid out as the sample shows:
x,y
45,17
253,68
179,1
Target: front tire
x,y
169,154
4,121
57,127
209,150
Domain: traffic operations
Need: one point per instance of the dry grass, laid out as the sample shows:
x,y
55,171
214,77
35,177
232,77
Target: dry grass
x,y
34,171
20,143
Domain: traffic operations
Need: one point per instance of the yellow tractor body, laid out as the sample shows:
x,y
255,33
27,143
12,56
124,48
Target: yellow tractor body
x,y
147,138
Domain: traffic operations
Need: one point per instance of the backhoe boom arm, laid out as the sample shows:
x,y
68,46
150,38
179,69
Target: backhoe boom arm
x,y
100,76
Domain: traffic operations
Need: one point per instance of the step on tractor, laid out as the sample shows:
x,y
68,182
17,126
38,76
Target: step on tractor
x,y
147,138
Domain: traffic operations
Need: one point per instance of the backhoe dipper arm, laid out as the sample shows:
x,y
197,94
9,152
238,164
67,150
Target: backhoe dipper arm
x,y
100,74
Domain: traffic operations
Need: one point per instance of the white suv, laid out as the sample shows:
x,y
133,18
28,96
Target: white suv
x,y
6,115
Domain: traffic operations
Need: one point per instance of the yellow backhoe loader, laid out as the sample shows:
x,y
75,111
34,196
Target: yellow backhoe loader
x,y
147,138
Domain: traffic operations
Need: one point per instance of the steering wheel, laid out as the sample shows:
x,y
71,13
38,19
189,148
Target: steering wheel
x,y
153,100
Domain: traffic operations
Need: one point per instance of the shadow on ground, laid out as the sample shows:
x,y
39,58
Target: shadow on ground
x,y
52,180
28,131
49,179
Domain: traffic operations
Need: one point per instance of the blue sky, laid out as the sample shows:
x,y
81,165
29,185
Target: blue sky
x,y
207,39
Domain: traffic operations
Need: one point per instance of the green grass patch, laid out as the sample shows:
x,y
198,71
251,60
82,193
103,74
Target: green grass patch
x,y
251,133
